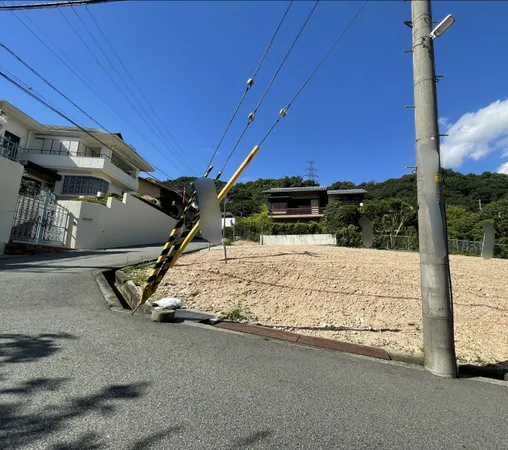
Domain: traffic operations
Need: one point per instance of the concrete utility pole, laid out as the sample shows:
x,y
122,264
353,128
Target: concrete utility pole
x,y
437,306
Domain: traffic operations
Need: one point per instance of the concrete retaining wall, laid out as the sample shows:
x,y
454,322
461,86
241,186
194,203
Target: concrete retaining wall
x,y
299,239
127,223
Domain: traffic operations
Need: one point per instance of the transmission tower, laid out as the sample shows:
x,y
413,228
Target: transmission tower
x,y
312,173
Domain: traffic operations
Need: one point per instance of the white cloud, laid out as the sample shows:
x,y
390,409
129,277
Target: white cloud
x,y
475,135
503,168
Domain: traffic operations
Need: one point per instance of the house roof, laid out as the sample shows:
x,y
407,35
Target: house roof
x,y
347,191
296,189
163,186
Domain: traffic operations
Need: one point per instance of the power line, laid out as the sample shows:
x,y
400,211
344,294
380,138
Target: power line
x,y
283,112
250,81
62,94
132,79
295,40
82,77
116,84
41,99
252,115
57,4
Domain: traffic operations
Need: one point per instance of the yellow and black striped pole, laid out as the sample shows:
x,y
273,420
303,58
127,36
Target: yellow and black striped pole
x,y
175,232
167,263
189,234
176,253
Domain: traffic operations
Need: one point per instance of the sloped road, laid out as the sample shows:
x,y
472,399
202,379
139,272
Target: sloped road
x,y
74,375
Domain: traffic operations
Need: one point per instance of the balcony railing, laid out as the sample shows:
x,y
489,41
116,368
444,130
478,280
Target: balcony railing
x,y
304,211
87,153
9,149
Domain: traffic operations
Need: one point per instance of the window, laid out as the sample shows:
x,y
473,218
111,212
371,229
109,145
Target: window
x,y
77,185
12,138
10,145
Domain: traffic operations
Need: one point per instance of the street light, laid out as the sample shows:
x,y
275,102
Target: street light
x,y
442,26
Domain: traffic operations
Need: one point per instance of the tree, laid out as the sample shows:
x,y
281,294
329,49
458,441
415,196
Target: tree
x,y
397,214
338,216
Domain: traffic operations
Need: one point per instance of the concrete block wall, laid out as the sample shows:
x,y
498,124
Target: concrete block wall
x,y
299,239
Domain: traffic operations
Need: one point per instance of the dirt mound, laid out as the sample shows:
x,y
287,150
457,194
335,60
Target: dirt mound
x,y
364,296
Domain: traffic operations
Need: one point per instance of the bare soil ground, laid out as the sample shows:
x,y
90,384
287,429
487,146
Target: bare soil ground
x,y
364,296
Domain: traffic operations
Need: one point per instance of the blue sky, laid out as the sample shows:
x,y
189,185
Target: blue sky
x,y
192,60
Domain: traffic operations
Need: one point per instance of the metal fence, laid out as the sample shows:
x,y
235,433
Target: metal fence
x,y
455,246
40,220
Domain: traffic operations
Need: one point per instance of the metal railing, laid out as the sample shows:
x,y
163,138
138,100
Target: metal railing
x,y
9,149
297,211
87,153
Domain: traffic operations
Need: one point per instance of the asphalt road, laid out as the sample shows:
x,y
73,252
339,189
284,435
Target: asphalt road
x,y
75,375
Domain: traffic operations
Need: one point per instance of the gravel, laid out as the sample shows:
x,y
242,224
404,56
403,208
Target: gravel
x,y
369,297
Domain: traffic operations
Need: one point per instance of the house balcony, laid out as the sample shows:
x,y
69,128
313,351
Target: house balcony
x,y
309,213
84,162
9,150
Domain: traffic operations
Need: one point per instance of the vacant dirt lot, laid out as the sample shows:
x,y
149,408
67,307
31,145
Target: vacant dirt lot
x,y
365,296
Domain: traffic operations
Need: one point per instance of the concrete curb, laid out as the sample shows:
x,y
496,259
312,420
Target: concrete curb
x,y
107,291
311,341
465,370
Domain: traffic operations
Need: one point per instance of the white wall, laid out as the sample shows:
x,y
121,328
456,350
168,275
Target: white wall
x,y
228,222
119,224
10,180
299,239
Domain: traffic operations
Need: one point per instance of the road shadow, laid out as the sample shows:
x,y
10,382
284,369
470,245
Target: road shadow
x,y
21,425
251,439
498,371
20,348
29,416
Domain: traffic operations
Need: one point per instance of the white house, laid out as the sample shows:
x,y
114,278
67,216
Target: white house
x,y
66,160
43,171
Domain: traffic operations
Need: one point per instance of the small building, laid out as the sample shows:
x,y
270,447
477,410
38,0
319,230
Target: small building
x,y
171,200
308,203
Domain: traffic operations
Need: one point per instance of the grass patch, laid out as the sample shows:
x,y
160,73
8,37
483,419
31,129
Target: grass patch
x,y
136,274
236,314
228,242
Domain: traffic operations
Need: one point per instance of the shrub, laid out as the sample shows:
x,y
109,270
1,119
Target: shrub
x,y
99,200
337,217
349,236
296,228
252,227
228,242
229,233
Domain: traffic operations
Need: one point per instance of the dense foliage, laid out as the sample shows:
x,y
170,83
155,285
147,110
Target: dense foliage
x,y
390,204
246,199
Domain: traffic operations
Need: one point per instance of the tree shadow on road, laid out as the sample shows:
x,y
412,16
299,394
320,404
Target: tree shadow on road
x,y
19,348
43,411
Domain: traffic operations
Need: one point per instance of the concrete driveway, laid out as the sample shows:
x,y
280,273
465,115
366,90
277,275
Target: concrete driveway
x,y
74,375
